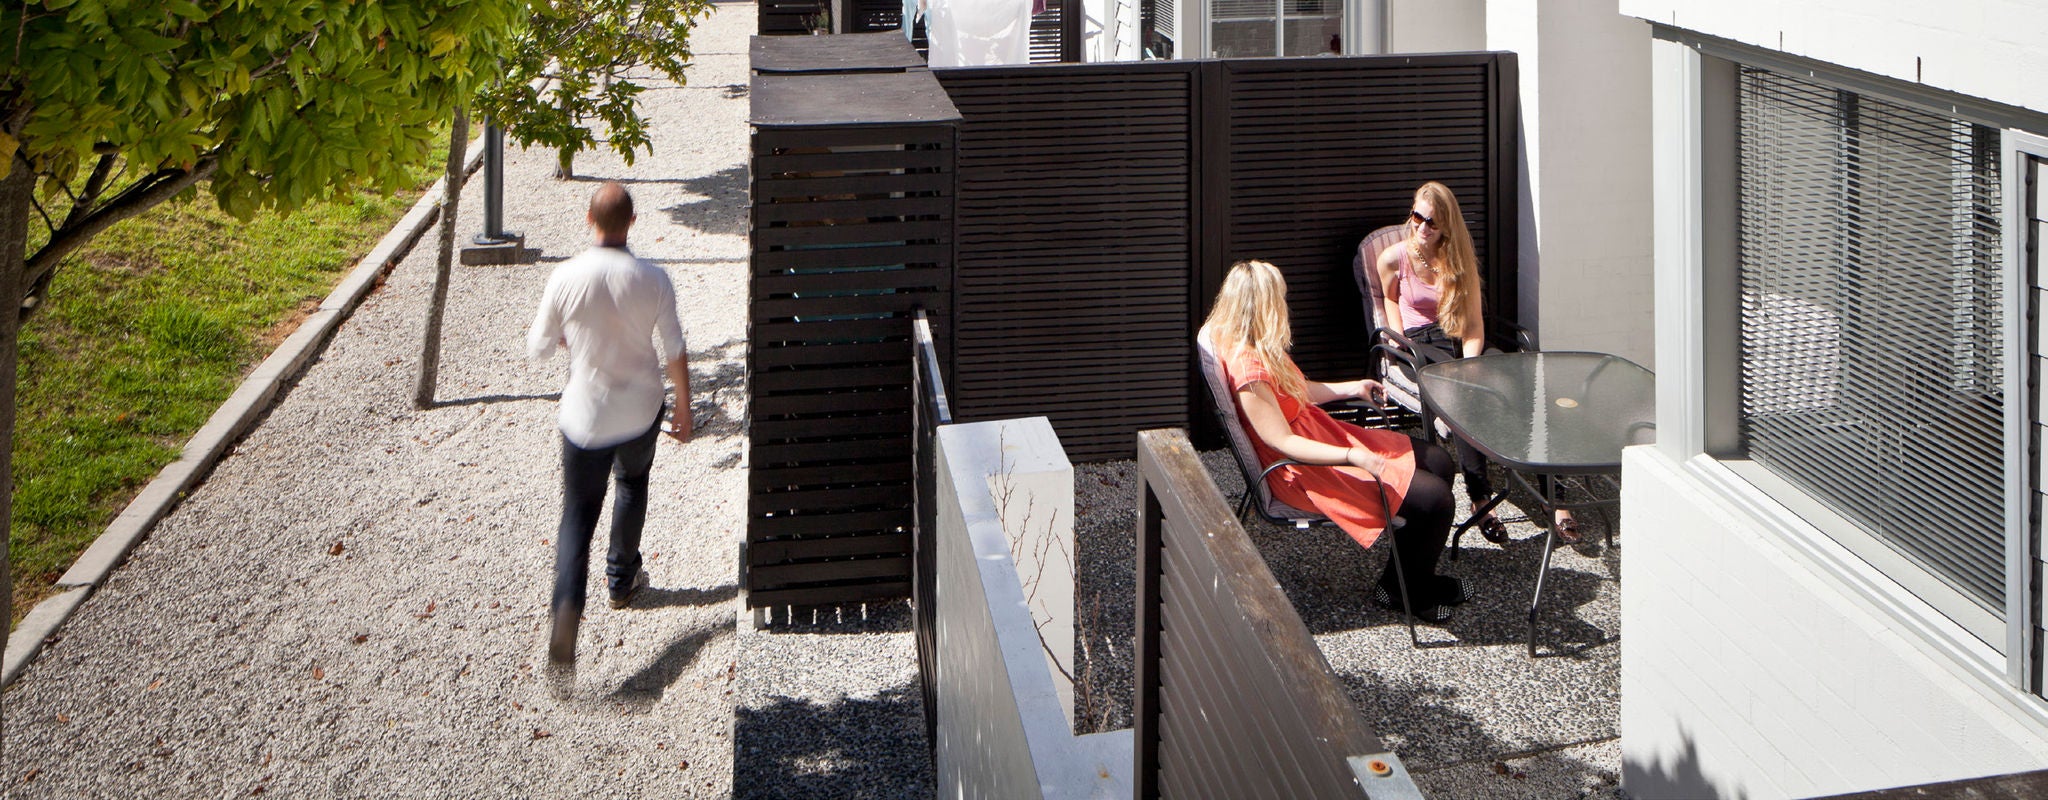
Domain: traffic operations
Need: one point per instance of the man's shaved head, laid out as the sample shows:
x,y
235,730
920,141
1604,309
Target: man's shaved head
x,y
611,212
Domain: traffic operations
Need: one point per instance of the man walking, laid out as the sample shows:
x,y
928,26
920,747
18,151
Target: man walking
x,y
603,305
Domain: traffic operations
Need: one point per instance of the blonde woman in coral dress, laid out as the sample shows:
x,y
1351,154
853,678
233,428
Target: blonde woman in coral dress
x,y
1250,331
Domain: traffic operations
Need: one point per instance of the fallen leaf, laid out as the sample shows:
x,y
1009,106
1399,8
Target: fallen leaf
x,y
336,549
361,638
431,605
1500,768
684,765
494,604
256,791
661,745
155,684
541,734
32,773
318,673
63,717
1521,776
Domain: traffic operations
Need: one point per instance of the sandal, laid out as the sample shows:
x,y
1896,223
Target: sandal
x,y
1494,530
1567,530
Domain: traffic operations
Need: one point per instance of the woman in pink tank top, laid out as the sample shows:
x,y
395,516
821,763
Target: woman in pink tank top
x,y
1431,284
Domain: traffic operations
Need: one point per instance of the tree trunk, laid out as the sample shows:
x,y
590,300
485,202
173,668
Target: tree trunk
x,y
565,158
15,191
430,352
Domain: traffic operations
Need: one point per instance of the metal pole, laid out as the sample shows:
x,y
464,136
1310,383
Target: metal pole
x,y
494,185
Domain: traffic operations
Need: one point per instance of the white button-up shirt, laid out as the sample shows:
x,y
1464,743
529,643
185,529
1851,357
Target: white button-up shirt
x,y
604,303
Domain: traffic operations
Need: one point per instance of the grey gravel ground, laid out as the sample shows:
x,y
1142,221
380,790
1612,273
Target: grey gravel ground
x,y
352,604
1471,715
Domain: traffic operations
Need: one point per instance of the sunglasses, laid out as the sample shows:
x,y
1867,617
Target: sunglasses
x,y
1417,216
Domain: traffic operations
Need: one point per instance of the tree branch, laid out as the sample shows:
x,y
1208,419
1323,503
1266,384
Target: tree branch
x,y
147,192
81,204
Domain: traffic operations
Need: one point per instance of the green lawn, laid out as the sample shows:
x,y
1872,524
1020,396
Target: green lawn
x,y
145,332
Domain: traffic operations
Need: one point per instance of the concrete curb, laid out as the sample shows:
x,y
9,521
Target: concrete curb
x,y
228,423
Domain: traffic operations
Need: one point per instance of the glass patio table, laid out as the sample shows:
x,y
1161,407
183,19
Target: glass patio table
x,y
1544,414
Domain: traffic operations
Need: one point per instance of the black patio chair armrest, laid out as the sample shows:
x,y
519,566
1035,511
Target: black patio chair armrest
x,y
1394,522
1398,339
1499,329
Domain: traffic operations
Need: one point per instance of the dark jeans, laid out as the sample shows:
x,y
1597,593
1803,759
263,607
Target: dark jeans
x,y
1431,346
1428,510
583,473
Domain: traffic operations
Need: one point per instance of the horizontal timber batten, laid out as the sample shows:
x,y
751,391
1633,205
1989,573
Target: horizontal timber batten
x,y
852,229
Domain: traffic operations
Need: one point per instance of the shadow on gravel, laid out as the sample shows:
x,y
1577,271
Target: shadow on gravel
x,y
1439,735
651,597
641,690
853,748
887,616
495,398
718,212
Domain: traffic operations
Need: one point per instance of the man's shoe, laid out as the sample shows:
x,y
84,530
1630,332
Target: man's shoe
x,y
562,636
625,598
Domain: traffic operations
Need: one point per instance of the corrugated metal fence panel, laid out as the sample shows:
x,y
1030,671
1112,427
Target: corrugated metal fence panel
x,y
1074,246
852,232
1321,151
1233,697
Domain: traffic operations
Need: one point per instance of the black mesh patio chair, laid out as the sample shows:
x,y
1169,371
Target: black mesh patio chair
x,y
1393,358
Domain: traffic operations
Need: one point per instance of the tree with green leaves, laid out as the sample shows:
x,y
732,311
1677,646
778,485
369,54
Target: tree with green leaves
x,y
109,107
574,64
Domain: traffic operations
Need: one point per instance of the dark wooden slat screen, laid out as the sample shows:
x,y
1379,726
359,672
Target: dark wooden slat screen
x,y
1100,205
1072,292
868,16
852,234
1233,698
1322,151
787,17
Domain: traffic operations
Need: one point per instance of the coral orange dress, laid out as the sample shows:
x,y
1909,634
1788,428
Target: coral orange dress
x,y
1344,494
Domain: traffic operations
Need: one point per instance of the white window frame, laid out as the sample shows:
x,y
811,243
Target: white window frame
x,y
2001,665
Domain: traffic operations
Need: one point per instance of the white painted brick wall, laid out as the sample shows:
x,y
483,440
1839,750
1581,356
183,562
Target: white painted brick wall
x,y
1994,49
1746,671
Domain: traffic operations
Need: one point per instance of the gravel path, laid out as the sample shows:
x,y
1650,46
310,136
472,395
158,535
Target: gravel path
x,y
352,603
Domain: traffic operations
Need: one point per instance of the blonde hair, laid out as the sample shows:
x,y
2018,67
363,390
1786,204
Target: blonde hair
x,y
1251,314
1454,259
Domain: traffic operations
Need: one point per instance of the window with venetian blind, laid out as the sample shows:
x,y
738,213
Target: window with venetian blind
x,y
1871,322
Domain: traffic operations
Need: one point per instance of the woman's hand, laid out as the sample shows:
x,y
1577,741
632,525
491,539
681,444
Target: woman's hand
x,y
1364,458
1373,391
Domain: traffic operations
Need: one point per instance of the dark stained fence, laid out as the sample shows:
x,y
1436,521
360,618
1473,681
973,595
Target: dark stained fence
x,y
1075,223
928,413
852,232
1100,205
867,16
1233,697
787,17
1317,152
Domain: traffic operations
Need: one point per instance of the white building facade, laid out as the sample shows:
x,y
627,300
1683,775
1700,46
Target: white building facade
x,y
1834,550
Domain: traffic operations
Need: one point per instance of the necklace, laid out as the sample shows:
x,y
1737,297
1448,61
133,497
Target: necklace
x,y
1422,265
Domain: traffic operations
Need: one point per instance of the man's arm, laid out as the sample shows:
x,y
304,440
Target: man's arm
x,y
680,421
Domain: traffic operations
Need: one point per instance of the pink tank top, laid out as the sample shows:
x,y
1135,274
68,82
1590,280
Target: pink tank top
x,y
1418,297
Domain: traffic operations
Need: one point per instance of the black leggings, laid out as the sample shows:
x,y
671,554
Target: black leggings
x,y
1428,509
1431,346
